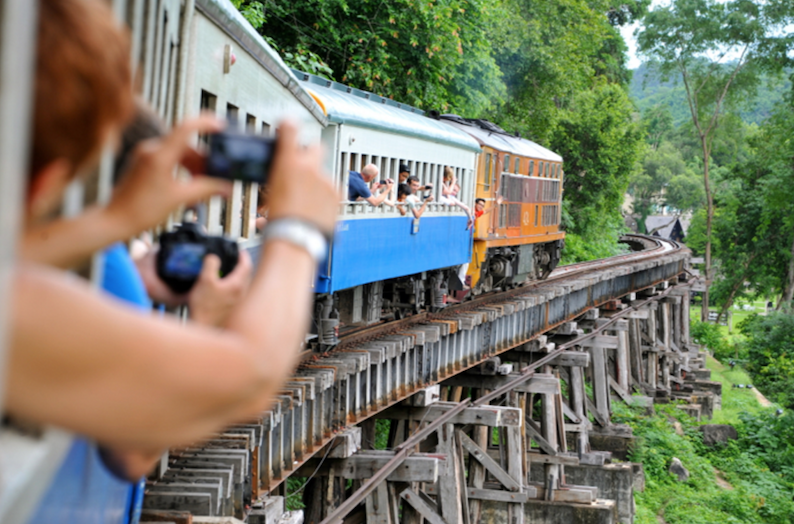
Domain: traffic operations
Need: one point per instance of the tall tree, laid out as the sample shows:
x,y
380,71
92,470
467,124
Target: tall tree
x,y
719,49
433,54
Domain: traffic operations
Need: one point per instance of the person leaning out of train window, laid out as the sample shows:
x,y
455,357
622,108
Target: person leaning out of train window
x,y
407,201
404,173
418,189
479,206
449,194
97,367
358,186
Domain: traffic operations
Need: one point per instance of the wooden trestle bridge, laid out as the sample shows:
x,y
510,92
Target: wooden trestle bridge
x,y
499,410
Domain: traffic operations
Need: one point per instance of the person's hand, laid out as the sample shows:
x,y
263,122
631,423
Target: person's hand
x,y
298,188
429,198
130,465
149,191
213,298
156,288
499,200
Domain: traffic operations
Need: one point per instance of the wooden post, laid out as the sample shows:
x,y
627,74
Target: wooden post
x,y
515,462
449,496
476,470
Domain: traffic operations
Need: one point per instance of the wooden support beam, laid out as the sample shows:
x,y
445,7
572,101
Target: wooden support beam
x,y
622,393
419,467
499,496
601,341
540,458
571,358
377,506
489,464
535,432
423,505
539,383
495,416
449,495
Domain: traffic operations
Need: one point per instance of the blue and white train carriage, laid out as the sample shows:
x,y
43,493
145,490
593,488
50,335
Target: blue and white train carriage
x,y
381,264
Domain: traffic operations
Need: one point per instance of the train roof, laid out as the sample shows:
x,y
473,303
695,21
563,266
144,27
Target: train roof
x,y
224,14
348,105
490,135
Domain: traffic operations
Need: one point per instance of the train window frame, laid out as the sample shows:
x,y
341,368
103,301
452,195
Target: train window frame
x,y
487,172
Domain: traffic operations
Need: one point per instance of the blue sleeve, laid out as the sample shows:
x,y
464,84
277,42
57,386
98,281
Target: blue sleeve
x,y
121,279
357,187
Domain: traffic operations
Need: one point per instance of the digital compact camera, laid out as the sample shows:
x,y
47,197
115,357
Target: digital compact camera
x,y
182,253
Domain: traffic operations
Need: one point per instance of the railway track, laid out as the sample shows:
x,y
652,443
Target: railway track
x,y
374,369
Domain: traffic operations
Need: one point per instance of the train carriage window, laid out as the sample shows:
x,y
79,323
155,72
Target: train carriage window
x,y
506,166
487,173
266,131
536,216
531,170
233,115
540,169
518,164
354,162
548,170
494,167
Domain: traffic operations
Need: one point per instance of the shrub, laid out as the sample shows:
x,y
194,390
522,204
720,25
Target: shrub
x,y
710,335
770,354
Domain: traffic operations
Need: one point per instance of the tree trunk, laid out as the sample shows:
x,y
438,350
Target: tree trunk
x,y
704,312
788,295
736,286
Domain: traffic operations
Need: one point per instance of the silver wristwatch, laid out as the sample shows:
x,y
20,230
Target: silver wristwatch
x,y
297,232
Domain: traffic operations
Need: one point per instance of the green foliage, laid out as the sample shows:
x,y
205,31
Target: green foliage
x,y
435,54
757,493
601,144
650,91
770,354
710,335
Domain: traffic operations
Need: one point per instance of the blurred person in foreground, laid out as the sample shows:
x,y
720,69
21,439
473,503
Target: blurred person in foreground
x,y
85,363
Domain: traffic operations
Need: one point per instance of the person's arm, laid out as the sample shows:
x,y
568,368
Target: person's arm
x,y
96,367
401,208
418,212
146,195
381,197
499,201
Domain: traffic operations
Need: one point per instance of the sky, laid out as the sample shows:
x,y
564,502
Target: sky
x,y
631,42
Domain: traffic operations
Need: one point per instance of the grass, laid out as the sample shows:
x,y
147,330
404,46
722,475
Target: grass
x,y
734,400
728,484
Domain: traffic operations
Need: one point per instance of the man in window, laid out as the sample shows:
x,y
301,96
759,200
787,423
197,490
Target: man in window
x,y
358,186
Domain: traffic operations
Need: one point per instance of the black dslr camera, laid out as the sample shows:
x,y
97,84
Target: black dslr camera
x,y
237,156
182,252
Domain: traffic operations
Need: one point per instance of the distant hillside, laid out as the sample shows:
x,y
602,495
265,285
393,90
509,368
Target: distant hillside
x,y
648,91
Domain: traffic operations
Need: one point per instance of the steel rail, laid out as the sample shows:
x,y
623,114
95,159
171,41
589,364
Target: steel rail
x,y
405,449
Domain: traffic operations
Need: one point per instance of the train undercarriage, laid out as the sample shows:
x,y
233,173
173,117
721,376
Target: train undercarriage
x,y
504,268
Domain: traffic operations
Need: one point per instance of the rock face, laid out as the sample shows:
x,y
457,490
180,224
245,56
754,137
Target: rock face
x,y
714,434
678,469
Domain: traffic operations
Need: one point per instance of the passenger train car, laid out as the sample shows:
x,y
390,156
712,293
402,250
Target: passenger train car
x,y
383,264
522,239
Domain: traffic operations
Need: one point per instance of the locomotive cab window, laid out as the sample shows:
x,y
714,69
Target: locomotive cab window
x,y
487,173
